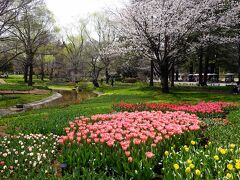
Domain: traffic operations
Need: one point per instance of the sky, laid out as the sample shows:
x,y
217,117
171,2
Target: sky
x,y
67,12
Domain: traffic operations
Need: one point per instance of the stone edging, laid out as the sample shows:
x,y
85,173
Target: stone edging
x,y
32,105
43,102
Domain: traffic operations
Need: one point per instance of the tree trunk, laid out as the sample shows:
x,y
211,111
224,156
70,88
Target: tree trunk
x,y
177,74
164,68
191,72
107,76
30,80
172,74
42,71
164,76
239,62
206,68
26,73
30,57
151,74
95,83
200,66
51,74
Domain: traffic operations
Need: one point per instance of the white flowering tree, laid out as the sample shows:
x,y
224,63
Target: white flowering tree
x,y
230,23
102,38
163,29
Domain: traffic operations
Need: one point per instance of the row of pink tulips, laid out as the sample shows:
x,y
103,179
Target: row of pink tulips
x,y
201,107
126,129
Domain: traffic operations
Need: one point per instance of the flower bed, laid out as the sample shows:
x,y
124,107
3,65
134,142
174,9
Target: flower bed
x,y
124,144
202,109
25,156
209,162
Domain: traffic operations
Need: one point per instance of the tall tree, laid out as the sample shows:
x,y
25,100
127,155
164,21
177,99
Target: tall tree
x,y
9,10
162,28
102,38
74,47
33,30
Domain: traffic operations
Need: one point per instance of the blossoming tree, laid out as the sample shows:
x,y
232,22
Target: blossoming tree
x,y
162,29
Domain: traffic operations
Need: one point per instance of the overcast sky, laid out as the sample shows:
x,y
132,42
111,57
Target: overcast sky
x,y
69,11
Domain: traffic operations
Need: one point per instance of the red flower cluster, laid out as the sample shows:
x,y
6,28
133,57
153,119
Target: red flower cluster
x,y
127,129
202,107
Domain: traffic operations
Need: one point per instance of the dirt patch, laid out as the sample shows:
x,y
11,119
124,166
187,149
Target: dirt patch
x,y
2,131
224,121
57,168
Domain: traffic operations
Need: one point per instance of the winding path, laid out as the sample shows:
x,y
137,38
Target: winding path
x,y
33,105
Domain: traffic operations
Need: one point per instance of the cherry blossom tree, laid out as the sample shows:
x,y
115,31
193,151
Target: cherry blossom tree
x,y
104,37
230,23
163,29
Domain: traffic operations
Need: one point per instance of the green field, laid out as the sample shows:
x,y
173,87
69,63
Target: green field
x,y
13,99
55,119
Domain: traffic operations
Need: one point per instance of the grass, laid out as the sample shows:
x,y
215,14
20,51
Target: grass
x,y
221,133
61,87
18,79
55,119
15,87
11,100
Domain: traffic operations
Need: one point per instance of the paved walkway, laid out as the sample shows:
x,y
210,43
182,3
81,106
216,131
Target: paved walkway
x,y
34,91
33,105
2,81
209,84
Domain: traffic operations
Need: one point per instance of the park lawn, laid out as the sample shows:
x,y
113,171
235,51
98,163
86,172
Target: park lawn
x,y
15,87
61,87
18,79
55,119
13,99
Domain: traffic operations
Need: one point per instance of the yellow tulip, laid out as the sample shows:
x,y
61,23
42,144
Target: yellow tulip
x,y
193,142
237,165
166,153
176,166
216,157
198,172
188,170
192,166
229,176
223,151
189,161
230,167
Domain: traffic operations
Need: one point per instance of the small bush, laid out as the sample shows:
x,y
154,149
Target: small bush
x,y
130,80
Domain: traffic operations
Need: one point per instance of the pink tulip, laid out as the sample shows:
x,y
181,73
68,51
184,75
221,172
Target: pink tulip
x,y
130,159
149,155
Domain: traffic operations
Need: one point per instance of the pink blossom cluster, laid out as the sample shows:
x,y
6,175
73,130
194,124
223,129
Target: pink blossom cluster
x,y
201,107
125,129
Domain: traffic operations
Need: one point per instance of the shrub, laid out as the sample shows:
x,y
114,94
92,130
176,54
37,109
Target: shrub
x,y
130,80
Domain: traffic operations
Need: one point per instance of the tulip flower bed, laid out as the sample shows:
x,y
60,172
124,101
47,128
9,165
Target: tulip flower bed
x,y
202,109
209,162
126,145
27,156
